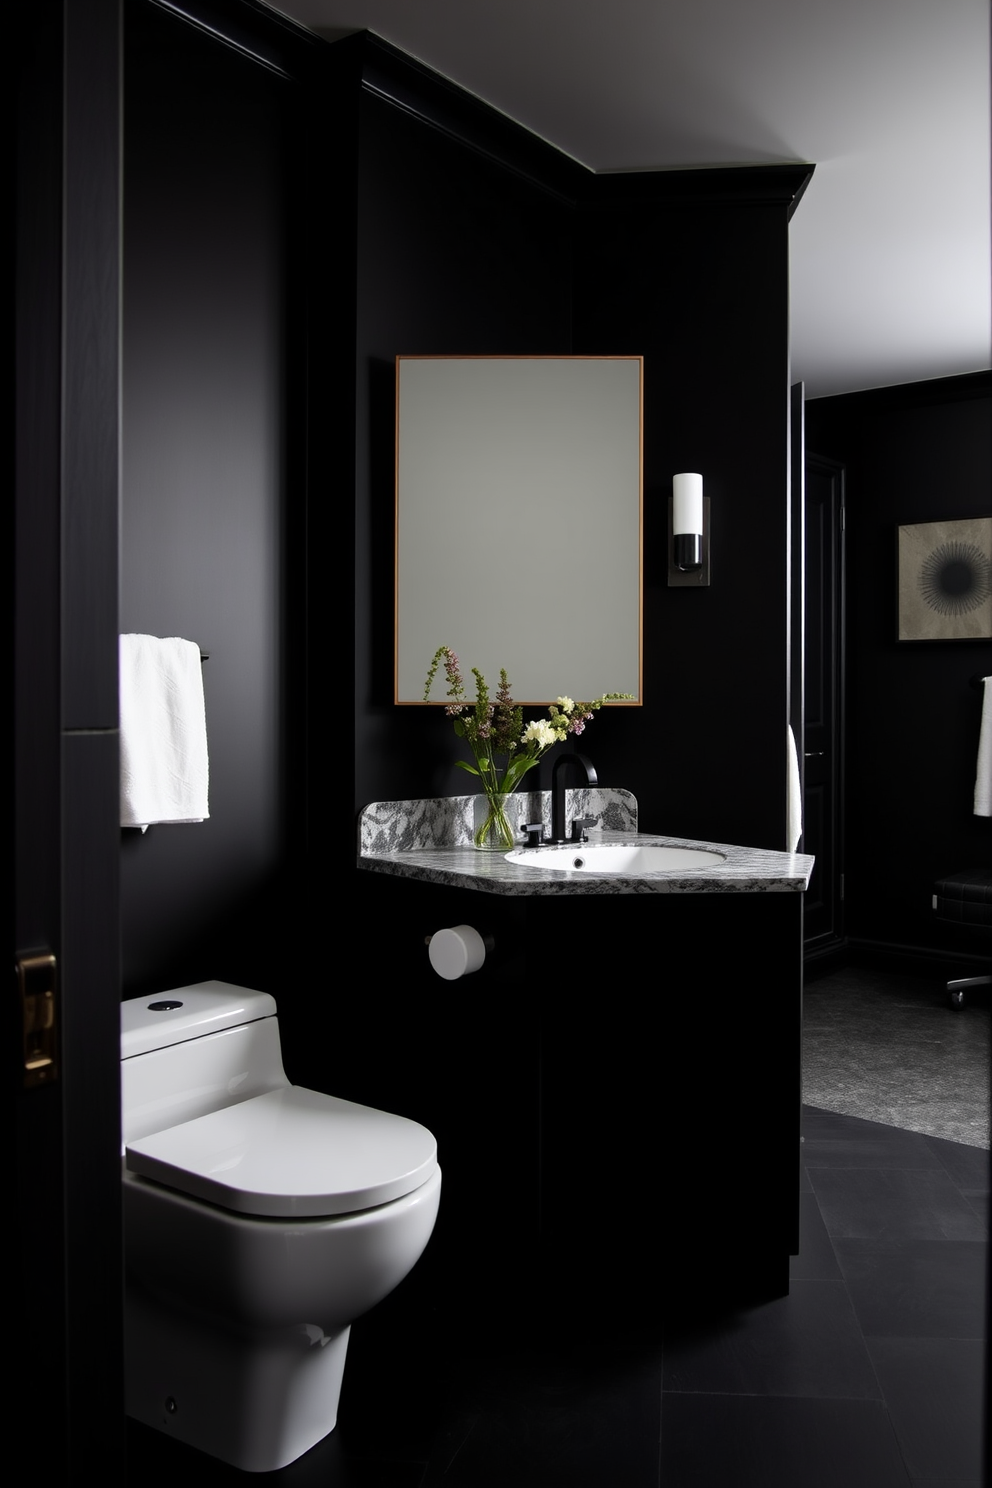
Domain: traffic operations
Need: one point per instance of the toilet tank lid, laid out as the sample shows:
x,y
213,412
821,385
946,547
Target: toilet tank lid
x,y
204,1007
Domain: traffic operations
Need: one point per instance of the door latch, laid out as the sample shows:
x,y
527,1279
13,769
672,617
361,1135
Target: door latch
x,y
36,978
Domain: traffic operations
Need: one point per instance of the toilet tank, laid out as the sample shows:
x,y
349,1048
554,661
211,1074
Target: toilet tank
x,y
192,1050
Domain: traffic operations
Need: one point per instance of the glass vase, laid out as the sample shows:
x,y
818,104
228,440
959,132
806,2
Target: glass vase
x,y
493,824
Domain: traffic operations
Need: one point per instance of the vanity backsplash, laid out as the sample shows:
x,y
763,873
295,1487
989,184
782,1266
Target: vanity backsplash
x,y
448,821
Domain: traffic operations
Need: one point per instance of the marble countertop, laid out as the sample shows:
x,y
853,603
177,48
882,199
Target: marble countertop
x,y
431,841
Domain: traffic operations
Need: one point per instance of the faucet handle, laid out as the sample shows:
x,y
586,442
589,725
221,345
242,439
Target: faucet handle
x,y
535,834
579,824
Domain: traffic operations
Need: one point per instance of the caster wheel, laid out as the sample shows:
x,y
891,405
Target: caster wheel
x,y
956,1000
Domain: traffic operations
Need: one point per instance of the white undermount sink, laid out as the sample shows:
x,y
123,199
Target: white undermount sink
x,y
615,857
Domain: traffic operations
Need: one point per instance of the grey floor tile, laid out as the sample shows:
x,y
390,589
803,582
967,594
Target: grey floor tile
x,y
893,1204
714,1441
972,1481
816,1256
874,1145
916,1288
568,1422
979,1202
805,1344
935,1394
818,1123
969,1167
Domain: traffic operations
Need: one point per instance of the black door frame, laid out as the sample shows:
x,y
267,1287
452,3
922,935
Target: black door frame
x,y
824,781
66,835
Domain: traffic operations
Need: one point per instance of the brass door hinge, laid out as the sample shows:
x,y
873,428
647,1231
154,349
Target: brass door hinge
x,y
36,983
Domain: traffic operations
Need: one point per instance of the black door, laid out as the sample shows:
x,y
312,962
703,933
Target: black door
x,y
64,1101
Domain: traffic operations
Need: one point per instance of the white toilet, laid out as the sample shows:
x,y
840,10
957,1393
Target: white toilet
x,y
260,1220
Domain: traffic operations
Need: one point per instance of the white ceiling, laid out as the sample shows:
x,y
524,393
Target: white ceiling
x,y
888,98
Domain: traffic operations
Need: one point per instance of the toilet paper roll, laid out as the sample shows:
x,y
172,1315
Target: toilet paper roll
x,y
457,951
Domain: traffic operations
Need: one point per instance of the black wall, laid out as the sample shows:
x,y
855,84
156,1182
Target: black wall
x,y
692,271
287,231
213,497
918,453
459,254
455,254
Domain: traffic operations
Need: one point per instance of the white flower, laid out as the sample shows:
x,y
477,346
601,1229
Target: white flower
x,y
566,704
540,733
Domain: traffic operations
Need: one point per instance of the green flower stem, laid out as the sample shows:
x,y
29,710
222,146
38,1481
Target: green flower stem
x,y
492,728
496,831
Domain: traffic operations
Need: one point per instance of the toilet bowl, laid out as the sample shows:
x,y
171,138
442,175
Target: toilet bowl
x,y
260,1220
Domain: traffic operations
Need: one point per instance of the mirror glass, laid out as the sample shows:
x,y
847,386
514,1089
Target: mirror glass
x,y
518,523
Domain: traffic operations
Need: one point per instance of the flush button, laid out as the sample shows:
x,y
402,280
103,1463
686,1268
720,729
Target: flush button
x,y
163,1007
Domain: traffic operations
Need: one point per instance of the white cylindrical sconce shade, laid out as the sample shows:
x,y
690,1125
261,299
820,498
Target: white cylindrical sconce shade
x,y
687,489
687,521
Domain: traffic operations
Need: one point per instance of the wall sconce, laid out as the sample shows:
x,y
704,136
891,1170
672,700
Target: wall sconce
x,y
688,533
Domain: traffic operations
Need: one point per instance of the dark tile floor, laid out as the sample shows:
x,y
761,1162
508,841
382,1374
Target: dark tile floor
x,y
867,1375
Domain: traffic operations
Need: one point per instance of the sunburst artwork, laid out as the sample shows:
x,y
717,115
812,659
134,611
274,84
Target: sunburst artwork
x,y
945,580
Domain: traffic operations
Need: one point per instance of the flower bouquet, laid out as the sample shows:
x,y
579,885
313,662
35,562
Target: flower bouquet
x,y
495,726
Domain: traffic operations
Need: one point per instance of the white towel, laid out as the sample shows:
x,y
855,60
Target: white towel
x,y
983,774
794,794
163,732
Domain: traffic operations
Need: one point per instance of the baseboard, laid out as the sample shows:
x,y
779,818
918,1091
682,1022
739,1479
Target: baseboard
x,y
915,960
824,955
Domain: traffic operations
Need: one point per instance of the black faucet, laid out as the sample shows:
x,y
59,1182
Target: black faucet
x,y
558,791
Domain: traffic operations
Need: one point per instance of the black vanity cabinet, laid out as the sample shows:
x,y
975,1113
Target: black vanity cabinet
x,y
616,1093
671,1048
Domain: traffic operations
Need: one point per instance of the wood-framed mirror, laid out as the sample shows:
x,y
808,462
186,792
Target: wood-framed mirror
x,y
519,519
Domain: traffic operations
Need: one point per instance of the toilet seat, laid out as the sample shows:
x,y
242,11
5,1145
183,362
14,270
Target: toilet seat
x,y
290,1153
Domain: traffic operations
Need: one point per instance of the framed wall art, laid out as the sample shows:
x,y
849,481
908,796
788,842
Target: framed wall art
x,y
945,580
